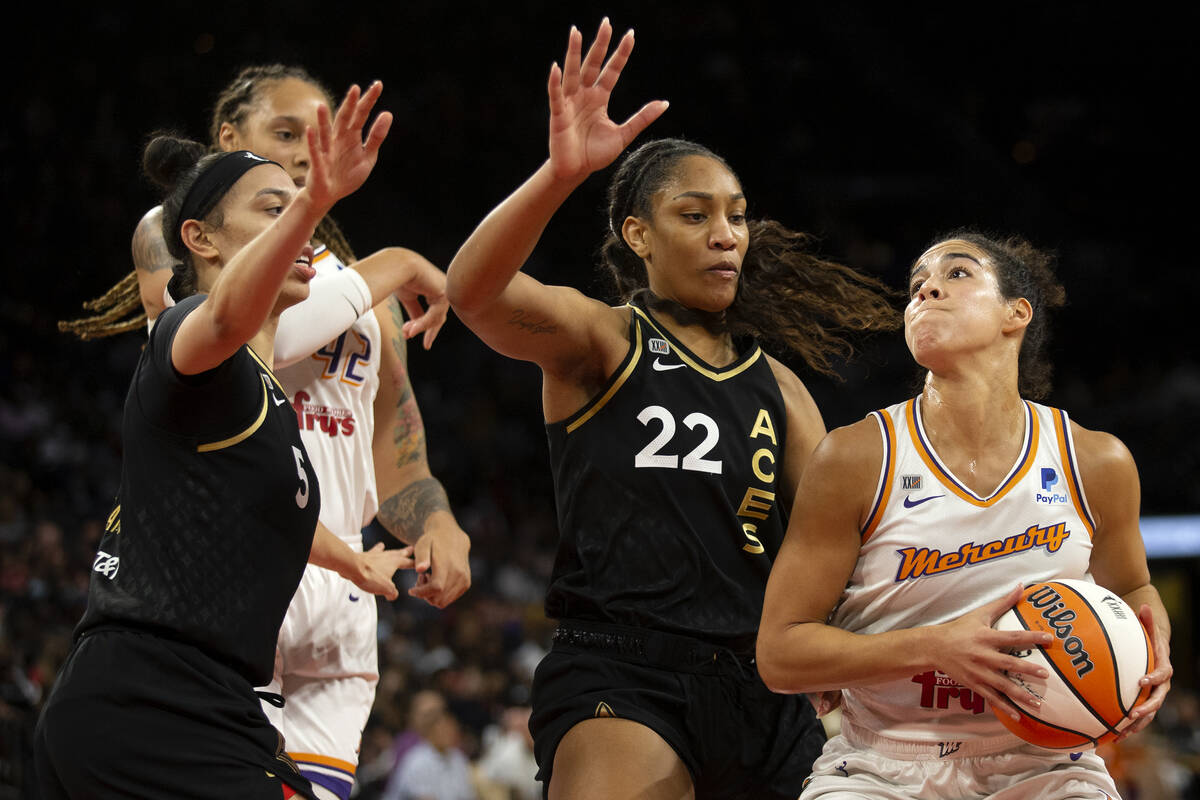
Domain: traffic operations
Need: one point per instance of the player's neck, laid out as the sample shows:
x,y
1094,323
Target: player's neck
x,y
971,412
263,342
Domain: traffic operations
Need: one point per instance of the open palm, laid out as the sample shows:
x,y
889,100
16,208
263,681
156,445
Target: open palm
x,y
582,137
341,160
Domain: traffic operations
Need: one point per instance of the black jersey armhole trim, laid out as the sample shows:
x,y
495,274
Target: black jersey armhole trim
x,y
612,385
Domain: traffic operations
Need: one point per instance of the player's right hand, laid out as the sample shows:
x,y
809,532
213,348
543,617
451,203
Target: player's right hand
x,y
582,137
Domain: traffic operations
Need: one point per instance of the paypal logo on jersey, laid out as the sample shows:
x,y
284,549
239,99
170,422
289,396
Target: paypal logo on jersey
x,y
1048,495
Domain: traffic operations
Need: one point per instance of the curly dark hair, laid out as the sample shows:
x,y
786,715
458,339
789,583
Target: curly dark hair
x,y
1022,270
787,295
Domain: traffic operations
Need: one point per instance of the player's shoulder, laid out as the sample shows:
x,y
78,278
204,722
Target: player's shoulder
x,y
1102,456
851,452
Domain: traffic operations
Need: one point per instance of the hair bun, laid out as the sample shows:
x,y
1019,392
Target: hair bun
x,y
167,157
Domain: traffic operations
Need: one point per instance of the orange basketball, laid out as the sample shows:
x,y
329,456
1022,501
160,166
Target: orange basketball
x,y
1100,651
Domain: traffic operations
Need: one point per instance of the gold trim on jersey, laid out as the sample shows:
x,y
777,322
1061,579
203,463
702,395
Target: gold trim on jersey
x,y
1068,461
695,364
269,371
947,479
889,473
232,440
616,384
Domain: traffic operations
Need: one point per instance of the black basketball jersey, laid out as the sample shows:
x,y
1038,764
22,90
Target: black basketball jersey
x,y
667,490
216,510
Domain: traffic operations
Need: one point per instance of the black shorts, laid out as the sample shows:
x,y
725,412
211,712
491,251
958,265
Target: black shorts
x,y
136,715
737,738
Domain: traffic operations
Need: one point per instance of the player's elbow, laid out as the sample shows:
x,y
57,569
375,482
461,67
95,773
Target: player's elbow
x,y
778,665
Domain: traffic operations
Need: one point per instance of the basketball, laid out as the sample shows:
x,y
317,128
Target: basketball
x,y
1099,652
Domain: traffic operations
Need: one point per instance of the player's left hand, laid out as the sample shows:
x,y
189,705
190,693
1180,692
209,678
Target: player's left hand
x,y
1159,677
442,561
374,569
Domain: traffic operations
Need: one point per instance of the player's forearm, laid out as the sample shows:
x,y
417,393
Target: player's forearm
x,y
332,553
409,510
814,657
496,250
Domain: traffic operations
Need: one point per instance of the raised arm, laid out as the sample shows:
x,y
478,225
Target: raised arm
x,y
412,503
248,287
336,301
1110,480
799,652
554,327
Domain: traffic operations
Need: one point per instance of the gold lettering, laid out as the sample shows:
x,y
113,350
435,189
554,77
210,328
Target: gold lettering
x,y
755,462
755,503
114,521
753,543
763,427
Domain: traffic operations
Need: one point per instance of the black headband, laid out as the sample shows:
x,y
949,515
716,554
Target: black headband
x,y
212,184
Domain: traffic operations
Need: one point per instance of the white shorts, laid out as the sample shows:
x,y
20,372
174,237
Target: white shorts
x,y
860,766
326,668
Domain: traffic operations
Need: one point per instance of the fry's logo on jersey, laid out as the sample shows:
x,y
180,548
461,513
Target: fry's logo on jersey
x,y
331,420
937,688
917,562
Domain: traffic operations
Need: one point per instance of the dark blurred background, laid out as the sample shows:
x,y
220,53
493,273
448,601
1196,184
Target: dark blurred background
x,y
875,127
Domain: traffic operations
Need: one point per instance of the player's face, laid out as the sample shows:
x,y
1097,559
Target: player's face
x,y
955,305
250,207
697,236
274,126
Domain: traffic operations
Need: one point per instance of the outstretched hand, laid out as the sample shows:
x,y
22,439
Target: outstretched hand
x,y
976,655
1159,677
582,137
374,569
429,282
340,159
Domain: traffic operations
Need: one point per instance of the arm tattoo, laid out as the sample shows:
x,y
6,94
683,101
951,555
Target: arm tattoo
x,y
398,343
521,320
149,250
408,432
405,512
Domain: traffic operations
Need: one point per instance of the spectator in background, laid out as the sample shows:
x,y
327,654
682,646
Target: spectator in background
x,y
434,768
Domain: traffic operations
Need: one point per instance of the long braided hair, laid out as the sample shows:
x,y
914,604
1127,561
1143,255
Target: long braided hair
x,y
787,295
120,308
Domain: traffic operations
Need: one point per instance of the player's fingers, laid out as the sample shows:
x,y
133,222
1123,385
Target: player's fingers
x,y
594,59
554,89
637,123
997,607
1000,701
377,133
571,62
616,63
362,109
325,127
346,110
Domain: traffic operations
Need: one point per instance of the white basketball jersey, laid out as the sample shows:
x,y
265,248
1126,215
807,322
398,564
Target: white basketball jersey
x,y
333,392
932,550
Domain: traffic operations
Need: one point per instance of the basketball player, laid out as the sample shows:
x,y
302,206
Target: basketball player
x,y
344,368
218,499
675,449
971,467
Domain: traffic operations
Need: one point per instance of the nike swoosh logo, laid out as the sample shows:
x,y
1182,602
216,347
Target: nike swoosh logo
x,y
910,503
353,599
279,400
661,367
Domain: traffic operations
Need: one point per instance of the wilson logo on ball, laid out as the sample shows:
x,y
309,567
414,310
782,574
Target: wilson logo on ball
x,y
1099,655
